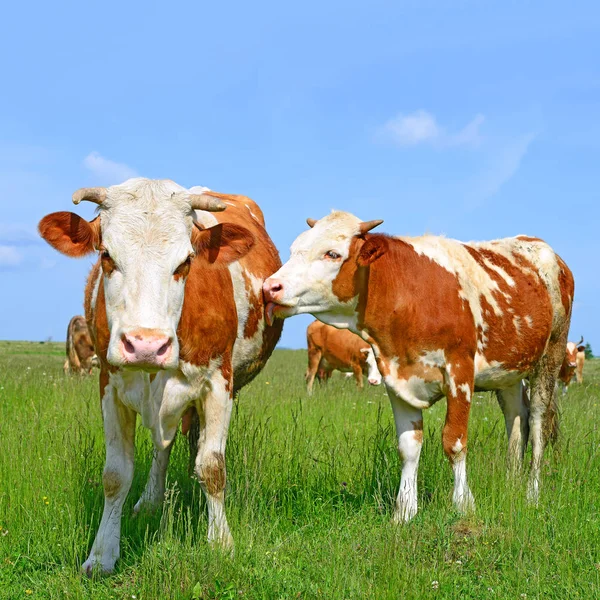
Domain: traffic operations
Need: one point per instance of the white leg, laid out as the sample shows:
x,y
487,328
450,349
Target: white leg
x,y
462,497
119,436
215,412
409,429
154,492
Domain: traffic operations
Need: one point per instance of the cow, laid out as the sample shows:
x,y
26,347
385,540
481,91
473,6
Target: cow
x,y
330,349
444,318
572,363
174,304
81,356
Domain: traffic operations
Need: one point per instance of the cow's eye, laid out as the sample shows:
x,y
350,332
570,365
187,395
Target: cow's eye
x,y
108,264
332,255
183,269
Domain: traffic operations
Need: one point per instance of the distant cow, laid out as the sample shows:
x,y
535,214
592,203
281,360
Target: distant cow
x,y
81,356
572,363
444,318
176,312
331,349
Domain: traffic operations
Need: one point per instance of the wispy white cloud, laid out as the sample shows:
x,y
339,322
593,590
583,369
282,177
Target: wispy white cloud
x,y
9,257
108,171
421,127
501,167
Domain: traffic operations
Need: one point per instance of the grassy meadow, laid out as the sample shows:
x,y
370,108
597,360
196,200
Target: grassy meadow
x,y
311,488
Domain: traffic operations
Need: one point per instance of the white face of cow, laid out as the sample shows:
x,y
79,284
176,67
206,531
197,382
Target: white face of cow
x,y
571,355
304,284
146,238
373,374
145,231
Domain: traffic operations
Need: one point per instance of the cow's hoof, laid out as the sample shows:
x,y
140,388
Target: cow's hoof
x,y
96,567
145,505
404,514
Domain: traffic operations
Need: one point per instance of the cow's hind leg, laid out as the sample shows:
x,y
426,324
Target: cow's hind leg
x,y
358,376
214,411
314,358
458,379
154,492
513,402
119,436
409,429
543,415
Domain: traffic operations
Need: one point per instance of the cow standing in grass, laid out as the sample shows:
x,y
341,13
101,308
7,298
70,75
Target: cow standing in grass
x,y
572,363
175,308
81,355
444,318
332,349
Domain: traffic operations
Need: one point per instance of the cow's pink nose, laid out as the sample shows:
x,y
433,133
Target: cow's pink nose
x,y
146,347
374,381
272,290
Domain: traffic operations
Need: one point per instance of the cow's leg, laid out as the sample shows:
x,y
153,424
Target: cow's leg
x,y
516,417
409,429
215,412
458,380
119,437
358,376
314,358
154,492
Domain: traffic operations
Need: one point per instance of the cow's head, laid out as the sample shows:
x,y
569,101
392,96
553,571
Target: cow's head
x,y
321,275
146,236
373,374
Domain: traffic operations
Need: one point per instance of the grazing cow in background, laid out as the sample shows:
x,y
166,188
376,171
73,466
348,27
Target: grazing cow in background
x,y
330,349
444,318
81,356
175,308
570,364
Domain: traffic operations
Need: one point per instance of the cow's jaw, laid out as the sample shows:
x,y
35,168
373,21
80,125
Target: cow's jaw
x,y
146,232
373,374
305,283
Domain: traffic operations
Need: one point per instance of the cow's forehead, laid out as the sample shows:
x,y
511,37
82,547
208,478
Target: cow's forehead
x,y
149,214
337,227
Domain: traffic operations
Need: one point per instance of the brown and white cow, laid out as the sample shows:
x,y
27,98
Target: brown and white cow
x,y
176,312
572,363
81,356
444,318
331,349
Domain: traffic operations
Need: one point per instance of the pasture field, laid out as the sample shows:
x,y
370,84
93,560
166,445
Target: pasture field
x,y
311,488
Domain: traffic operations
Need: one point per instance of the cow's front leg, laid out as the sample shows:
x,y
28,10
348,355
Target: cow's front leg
x,y
458,381
409,428
119,436
215,412
154,492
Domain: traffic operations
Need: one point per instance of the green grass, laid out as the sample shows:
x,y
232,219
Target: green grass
x,y
311,488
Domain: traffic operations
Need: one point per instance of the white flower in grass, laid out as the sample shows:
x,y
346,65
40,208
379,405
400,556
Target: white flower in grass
x,y
435,584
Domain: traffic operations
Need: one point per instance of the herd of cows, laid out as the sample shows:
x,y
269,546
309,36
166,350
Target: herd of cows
x,y
187,300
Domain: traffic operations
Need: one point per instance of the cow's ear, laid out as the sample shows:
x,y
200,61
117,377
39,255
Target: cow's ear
x,y
364,350
223,243
371,250
70,234
580,348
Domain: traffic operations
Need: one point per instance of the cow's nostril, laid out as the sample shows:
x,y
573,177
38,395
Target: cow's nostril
x,y
128,346
164,348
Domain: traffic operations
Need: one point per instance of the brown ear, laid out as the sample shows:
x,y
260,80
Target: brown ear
x,y
371,250
580,348
70,234
223,243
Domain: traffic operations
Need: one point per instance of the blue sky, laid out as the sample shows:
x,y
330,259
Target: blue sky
x,y
475,120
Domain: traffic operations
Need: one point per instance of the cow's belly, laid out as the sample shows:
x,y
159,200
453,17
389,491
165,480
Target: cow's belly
x,y
494,375
333,363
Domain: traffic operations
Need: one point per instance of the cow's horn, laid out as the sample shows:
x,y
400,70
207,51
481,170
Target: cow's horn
x,y
368,225
95,194
580,341
206,202
311,222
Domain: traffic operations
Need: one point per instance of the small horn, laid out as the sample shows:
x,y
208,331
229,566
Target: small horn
x,y
368,225
311,222
95,194
580,341
206,202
